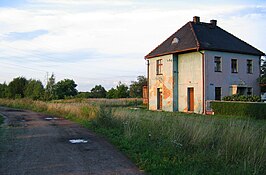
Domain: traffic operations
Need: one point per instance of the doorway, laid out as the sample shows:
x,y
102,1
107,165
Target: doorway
x,y
218,93
159,99
190,100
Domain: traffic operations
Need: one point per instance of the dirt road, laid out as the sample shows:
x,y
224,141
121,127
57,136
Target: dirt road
x,y
34,143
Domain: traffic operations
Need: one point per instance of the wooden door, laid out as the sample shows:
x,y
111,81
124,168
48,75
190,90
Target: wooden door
x,y
190,99
159,99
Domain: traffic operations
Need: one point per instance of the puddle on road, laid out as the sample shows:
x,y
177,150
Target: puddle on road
x,y
75,141
50,118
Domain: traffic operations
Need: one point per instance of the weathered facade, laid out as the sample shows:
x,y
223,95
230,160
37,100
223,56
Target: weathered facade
x,y
200,62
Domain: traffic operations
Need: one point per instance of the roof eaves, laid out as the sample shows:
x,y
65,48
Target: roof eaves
x,y
167,53
232,51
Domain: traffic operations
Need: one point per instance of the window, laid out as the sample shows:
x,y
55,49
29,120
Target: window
x,y
241,90
217,64
249,66
234,65
218,93
249,91
159,66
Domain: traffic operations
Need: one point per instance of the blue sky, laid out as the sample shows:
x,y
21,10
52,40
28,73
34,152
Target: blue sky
x,y
103,41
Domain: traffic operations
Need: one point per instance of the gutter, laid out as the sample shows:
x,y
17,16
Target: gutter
x,y
203,82
148,83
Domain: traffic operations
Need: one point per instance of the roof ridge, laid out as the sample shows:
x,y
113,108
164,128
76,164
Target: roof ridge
x,y
194,34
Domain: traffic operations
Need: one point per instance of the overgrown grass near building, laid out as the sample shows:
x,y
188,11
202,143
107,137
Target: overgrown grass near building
x,y
1,119
170,143
121,102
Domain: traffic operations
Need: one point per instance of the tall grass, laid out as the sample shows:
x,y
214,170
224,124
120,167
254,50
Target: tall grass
x,y
237,143
171,143
125,102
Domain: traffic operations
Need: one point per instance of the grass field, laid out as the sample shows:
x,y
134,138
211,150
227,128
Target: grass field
x,y
169,143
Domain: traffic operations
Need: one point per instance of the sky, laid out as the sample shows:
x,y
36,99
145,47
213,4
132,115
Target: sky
x,y
105,41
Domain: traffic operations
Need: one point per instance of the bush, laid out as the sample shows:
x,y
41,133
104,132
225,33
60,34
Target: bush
x,y
256,110
237,97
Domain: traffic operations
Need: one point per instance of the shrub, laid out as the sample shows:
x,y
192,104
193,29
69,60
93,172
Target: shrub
x,y
256,110
238,97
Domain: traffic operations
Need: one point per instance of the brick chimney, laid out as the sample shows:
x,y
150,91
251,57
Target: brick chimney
x,y
196,19
213,22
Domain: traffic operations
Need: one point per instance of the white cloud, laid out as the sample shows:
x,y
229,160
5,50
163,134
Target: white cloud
x,y
119,33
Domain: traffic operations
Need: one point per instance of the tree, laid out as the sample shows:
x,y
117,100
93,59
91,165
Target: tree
x,y
83,95
121,91
262,78
34,89
98,92
50,88
136,87
111,93
3,90
65,88
17,87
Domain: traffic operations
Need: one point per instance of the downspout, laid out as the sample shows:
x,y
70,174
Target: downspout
x,y
203,82
148,83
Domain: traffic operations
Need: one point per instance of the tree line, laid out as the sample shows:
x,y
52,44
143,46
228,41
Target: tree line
x,y
20,87
262,78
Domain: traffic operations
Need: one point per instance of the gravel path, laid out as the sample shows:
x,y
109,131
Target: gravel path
x,y
34,143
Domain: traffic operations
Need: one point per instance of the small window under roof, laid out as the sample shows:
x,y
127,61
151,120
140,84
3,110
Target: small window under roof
x,y
175,40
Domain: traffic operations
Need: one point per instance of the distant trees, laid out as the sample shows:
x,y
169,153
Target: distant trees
x,y
121,91
17,87
65,88
20,87
111,93
4,90
136,87
34,89
50,89
83,95
262,78
98,92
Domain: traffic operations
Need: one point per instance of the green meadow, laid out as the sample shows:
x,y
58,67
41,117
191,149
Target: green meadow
x,y
166,142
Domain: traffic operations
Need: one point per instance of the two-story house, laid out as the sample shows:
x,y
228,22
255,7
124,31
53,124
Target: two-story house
x,y
200,62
